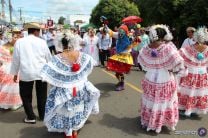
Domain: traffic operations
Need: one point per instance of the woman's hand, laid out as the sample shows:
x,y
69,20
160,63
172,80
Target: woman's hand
x,y
15,79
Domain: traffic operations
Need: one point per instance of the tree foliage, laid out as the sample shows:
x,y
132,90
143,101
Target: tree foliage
x,y
160,11
61,20
178,14
175,13
194,13
114,10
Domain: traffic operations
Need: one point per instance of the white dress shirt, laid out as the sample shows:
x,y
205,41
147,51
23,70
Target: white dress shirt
x,y
31,53
188,42
105,42
50,39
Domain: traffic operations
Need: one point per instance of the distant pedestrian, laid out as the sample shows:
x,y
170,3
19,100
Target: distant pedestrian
x,y
145,41
189,41
105,42
91,45
50,41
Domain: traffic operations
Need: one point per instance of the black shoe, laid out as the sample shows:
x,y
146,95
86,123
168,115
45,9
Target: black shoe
x,y
194,115
40,118
29,121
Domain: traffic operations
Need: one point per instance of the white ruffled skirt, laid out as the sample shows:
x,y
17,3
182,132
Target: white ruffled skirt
x,y
65,113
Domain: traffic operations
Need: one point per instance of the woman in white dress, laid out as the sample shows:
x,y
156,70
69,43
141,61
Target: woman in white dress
x,y
160,60
9,90
91,45
72,97
193,89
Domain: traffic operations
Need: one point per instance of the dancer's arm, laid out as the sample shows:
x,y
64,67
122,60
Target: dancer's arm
x,y
15,60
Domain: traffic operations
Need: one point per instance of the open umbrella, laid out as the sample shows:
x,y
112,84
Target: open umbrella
x,y
132,20
66,26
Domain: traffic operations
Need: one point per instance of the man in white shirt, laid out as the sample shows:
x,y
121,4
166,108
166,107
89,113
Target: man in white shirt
x,y
189,41
105,42
31,53
50,41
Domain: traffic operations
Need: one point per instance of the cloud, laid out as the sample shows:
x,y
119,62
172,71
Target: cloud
x,y
39,9
71,6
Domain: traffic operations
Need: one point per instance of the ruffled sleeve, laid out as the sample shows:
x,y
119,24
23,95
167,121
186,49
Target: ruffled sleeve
x,y
177,65
168,58
59,74
5,55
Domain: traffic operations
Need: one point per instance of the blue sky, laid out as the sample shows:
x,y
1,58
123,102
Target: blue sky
x,y
41,9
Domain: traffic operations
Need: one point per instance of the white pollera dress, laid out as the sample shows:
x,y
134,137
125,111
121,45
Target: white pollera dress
x,y
66,112
159,106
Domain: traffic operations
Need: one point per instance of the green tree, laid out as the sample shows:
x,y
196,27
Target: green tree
x,y
114,10
194,13
61,20
176,13
160,11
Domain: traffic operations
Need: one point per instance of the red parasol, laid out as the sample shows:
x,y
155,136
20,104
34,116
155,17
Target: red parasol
x,y
132,19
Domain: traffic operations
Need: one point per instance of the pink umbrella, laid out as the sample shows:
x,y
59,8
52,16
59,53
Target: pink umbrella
x,y
132,19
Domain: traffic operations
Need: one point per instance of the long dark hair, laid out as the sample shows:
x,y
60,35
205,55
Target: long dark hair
x,y
161,33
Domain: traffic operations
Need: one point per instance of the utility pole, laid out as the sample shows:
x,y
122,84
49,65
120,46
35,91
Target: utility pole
x,y
3,8
20,11
10,11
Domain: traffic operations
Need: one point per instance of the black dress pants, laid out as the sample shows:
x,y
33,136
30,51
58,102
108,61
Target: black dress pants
x,y
104,55
26,96
53,50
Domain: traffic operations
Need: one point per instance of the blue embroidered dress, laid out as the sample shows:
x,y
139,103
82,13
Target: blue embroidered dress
x,y
65,112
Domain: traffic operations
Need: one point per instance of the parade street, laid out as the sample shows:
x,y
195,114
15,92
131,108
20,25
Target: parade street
x,y
118,117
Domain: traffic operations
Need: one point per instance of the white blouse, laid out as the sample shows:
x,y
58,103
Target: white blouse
x,y
31,53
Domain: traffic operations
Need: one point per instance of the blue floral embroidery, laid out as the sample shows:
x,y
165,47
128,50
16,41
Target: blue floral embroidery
x,y
60,101
56,62
64,122
47,70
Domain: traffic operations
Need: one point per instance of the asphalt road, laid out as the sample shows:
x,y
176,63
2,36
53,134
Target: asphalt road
x,y
118,118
